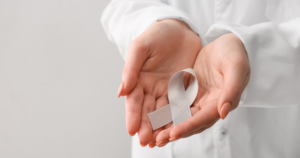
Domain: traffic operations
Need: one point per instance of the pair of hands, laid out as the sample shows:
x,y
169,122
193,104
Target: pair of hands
x,y
168,46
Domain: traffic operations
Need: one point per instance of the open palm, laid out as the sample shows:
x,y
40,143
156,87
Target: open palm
x,y
164,48
223,71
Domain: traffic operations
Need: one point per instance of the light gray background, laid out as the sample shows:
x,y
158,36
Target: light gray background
x,y
59,77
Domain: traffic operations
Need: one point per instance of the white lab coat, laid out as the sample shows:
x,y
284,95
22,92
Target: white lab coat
x,y
270,31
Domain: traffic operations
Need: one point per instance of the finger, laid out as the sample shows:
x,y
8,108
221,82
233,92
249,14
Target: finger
x,y
203,118
137,55
160,102
133,104
195,132
235,80
154,135
200,129
145,131
157,131
164,133
163,137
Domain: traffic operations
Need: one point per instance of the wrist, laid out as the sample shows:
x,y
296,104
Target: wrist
x,y
178,22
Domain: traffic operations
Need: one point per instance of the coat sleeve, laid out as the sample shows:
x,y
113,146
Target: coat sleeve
x,y
273,50
124,20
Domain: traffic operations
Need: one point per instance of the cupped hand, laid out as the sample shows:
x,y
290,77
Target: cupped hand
x,y
223,71
164,48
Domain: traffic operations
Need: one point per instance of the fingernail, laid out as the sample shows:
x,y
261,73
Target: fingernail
x,y
120,89
151,146
162,143
173,138
225,110
142,144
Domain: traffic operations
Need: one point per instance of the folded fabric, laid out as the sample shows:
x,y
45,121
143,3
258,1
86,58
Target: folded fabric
x,y
180,100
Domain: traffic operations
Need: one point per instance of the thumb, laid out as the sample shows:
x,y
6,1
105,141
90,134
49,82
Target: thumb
x,y
235,81
137,55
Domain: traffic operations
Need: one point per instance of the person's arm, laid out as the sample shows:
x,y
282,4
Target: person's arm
x,y
125,20
274,54
157,41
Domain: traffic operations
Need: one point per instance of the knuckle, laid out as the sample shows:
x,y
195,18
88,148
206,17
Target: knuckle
x,y
191,124
129,73
239,62
136,98
144,121
125,71
132,111
148,108
235,91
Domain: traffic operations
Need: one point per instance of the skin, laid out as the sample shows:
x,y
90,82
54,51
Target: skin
x,y
163,49
223,72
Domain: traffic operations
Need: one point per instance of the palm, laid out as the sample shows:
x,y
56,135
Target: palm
x,y
223,71
168,46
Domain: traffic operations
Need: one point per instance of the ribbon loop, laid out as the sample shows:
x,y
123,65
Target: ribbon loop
x,y
180,100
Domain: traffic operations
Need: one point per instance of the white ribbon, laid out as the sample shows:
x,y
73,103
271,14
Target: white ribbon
x,y
180,100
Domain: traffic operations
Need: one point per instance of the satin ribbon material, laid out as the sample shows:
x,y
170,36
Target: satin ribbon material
x,y
180,100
